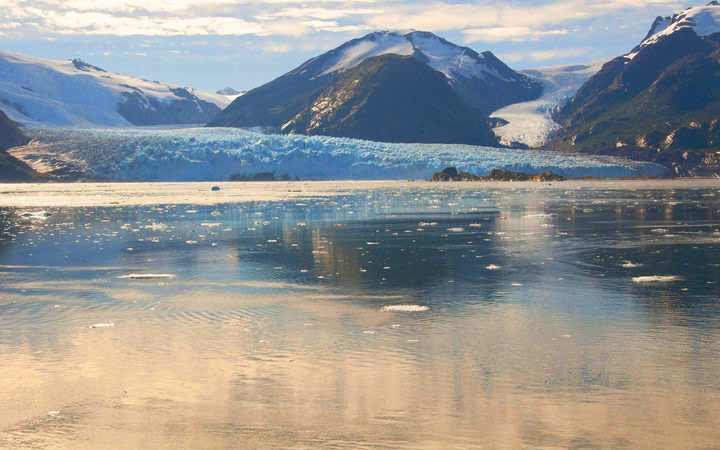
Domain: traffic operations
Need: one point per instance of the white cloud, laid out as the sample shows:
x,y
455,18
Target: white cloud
x,y
545,55
478,20
513,34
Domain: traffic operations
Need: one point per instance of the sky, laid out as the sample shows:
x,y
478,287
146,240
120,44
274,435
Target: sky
x,y
211,44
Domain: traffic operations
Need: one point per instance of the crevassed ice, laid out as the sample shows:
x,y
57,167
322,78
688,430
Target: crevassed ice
x,y
208,154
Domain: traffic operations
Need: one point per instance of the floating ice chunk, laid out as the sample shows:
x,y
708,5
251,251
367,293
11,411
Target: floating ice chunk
x,y
39,215
630,265
147,276
406,308
102,325
656,279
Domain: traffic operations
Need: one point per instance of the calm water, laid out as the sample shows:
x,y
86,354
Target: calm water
x,y
273,332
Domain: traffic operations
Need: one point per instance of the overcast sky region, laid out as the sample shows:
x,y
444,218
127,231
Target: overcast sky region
x,y
210,44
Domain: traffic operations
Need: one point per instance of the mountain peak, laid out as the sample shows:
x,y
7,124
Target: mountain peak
x,y
228,91
703,20
85,67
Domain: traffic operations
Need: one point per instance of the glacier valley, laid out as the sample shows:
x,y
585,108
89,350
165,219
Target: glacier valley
x,y
204,154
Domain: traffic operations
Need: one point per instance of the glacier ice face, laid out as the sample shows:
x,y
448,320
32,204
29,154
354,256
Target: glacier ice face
x,y
210,154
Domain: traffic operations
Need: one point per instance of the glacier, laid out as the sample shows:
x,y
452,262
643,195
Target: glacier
x,y
531,123
212,154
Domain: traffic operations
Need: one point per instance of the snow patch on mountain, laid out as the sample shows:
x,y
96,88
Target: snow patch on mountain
x,y
215,154
230,93
704,20
40,92
531,123
452,60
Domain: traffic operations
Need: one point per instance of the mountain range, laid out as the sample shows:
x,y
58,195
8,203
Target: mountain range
x,y
294,102
659,102
39,92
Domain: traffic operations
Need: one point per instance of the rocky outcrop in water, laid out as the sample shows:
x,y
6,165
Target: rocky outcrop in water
x,y
452,174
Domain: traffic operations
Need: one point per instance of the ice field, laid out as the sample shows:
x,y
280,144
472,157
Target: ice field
x,y
201,154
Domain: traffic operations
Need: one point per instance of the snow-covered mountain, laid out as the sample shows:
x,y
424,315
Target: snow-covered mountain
x,y
703,20
661,102
481,80
230,93
531,123
36,91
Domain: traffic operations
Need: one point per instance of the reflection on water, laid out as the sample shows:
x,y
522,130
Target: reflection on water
x,y
272,333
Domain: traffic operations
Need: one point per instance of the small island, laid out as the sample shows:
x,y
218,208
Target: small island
x,y
452,174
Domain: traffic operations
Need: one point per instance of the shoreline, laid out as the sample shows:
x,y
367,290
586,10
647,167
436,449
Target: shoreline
x,y
116,194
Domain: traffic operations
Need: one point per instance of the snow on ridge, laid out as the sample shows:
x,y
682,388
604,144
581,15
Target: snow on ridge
x,y
44,92
704,20
443,56
203,154
531,123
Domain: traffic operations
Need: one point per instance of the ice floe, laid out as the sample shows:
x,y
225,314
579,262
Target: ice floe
x,y
147,276
406,308
656,279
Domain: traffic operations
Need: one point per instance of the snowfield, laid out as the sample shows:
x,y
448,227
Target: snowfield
x,y
704,20
207,154
449,59
41,92
531,123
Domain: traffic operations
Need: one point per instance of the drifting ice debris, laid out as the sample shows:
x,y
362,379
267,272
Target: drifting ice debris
x,y
41,215
102,325
147,276
656,279
405,308
630,265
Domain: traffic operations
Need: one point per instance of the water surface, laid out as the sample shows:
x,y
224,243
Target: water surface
x,y
536,325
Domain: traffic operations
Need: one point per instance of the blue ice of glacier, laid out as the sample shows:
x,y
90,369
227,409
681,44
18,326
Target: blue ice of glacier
x,y
208,154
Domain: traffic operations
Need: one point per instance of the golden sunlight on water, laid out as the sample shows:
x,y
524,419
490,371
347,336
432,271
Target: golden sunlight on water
x,y
509,318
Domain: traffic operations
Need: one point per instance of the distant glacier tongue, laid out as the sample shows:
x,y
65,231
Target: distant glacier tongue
x,y
209,154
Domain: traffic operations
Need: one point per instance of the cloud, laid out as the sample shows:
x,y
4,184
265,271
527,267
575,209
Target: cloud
x,y
477,20
512,34
545,55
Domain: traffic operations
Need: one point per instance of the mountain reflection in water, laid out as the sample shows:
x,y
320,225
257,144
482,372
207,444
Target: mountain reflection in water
x,y
272,333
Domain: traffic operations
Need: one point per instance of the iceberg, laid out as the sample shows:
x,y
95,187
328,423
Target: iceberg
x,y
212,154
